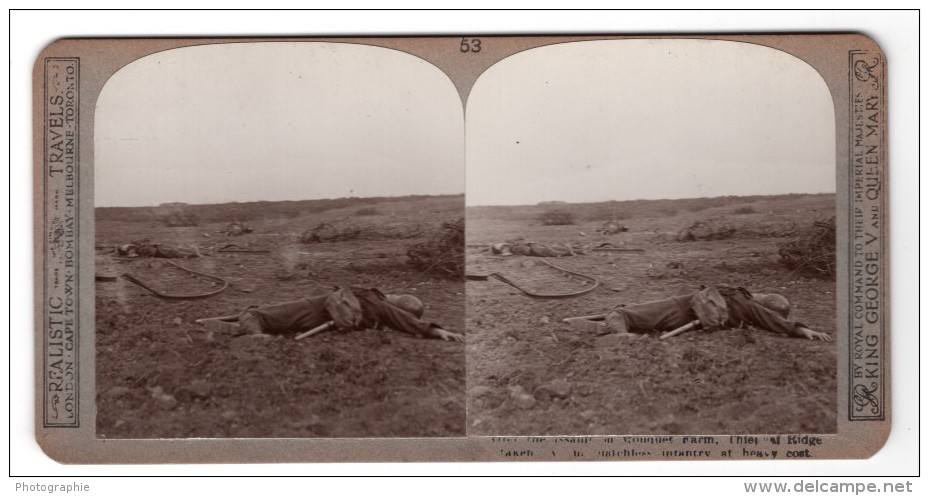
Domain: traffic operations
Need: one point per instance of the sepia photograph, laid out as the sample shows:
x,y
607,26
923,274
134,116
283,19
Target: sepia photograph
x,y
466,247
279,236
651,242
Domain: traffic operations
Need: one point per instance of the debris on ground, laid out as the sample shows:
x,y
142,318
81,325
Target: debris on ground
x,y
443,252
611,227
715,228
404,231
519,246
235,229
708,229
163,400
327,232
558,217
348,230
146,248
812,250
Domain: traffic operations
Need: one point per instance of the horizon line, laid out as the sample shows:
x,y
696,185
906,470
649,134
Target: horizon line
x,y
564,202
180,203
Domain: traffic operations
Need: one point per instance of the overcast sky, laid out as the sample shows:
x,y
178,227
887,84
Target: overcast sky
x,y
632,119
276,121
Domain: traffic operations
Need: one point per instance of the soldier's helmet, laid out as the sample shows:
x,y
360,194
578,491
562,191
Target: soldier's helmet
x,y
774,301
409,303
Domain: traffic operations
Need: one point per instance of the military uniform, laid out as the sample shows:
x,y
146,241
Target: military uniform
x,y
310,312
671,313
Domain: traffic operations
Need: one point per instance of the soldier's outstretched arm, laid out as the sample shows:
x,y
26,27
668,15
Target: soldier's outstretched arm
x,y
440,333
811,334
765,318
396,318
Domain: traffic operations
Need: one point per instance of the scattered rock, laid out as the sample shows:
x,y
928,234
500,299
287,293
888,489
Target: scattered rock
x,y
522,399
611,227
525,401
246,288
177,321
196,389
558,388
118,391
163,400
478,391
545,320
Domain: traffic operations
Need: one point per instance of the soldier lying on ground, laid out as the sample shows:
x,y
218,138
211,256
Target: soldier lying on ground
x,y
348,308
611,227
738,308
533,249
146,248
236,229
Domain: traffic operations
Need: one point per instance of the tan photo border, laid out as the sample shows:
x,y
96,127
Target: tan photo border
x,y
852,65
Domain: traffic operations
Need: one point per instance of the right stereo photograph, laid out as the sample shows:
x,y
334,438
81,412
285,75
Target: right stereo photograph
x,y
651,242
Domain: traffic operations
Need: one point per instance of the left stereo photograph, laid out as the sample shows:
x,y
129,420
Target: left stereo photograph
x,y
256,204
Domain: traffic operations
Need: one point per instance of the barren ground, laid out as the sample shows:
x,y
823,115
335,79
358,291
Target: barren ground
x,y
530,374
159,375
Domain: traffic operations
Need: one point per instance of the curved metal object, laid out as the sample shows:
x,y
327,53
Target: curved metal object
x,y
595,283
607,246
238,249
195,296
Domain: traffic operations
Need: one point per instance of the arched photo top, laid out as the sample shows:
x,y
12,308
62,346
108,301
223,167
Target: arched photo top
x,y
276,121
648,119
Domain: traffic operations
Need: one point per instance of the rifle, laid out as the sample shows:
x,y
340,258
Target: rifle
x,y
684,328
314,331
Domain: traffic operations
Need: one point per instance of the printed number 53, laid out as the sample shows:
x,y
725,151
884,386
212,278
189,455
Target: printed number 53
x,y
470,45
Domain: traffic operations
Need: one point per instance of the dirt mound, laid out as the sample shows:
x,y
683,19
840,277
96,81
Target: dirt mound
x,y
709,229
327,232
348,230
403,231
443,253
559,217
611,227
812,250
236,229
715,228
